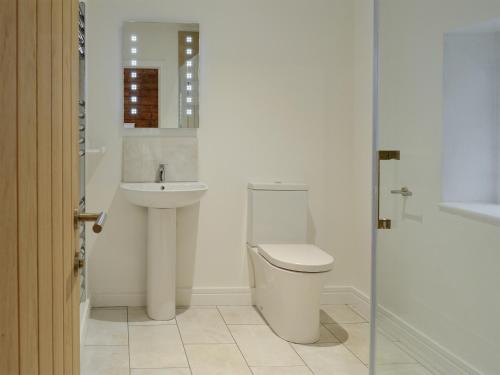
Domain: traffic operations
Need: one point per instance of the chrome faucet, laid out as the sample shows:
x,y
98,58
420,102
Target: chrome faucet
x,y
162,172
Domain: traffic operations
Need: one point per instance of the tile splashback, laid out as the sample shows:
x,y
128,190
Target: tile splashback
x,y
142,155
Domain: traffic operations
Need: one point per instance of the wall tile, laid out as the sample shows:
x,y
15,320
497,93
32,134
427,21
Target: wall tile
x,y
142,155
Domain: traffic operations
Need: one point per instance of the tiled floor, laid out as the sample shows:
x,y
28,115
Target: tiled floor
x,y
231,340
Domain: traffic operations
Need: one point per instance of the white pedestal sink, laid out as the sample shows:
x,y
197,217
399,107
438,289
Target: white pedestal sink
x,y
162,201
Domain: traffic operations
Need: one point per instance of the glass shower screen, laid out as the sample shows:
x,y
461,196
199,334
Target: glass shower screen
x,y
437,256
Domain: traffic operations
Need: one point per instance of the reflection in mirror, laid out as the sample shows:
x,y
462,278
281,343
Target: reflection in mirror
x,y
160,75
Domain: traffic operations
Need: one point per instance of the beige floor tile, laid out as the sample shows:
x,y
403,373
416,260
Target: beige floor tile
x,y
388,352
181,307
156,346
261,347
325,336
355,336
412,369
161,371
105,360
339,314
202,326
138,316
107,327
289,370
358,310
330,359
241,315
388,335
216,359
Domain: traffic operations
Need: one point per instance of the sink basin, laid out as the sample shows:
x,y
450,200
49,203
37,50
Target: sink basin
x,y
163,194
162,201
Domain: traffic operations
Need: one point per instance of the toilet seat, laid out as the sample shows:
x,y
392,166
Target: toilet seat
x,y
297,257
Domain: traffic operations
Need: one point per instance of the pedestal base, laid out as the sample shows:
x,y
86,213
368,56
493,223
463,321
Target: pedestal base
x,y
161,263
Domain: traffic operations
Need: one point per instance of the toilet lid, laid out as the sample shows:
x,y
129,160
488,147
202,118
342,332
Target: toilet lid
x,y
297,257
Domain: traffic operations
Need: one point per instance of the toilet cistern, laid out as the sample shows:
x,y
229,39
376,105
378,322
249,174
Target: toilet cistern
x,y
289,272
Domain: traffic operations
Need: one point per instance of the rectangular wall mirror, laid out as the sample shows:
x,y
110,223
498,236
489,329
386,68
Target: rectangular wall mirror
x,y
160,75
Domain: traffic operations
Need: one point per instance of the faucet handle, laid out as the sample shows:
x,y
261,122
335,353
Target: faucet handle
x,y
162,170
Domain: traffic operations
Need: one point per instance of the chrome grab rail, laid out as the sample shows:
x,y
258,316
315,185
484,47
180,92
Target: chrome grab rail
x,y
404,191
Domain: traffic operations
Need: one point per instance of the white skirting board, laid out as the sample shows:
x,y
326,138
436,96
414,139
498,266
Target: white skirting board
x,y
235,296
184,297
117,299
347,295
425,350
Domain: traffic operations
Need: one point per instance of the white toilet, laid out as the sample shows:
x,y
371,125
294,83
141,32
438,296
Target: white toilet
x,y
289,273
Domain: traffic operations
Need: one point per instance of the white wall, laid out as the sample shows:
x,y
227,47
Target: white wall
x,y
349,128
362,144
277,89
438,272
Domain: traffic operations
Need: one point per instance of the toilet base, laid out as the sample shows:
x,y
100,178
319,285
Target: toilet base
x,y
288,300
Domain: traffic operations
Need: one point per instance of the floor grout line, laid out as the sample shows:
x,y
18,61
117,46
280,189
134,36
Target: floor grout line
x,y
401,347
182,342
235,342
128,342
355,355
209,343
303,360
246,324
279,366
343,343
224,320
151,325
264,324
158,368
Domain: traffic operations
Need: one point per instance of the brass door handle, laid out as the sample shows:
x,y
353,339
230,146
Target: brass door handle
x,y
97,218
79,262
384,155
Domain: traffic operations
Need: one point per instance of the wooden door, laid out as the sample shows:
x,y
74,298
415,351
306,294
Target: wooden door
x,y
39,287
